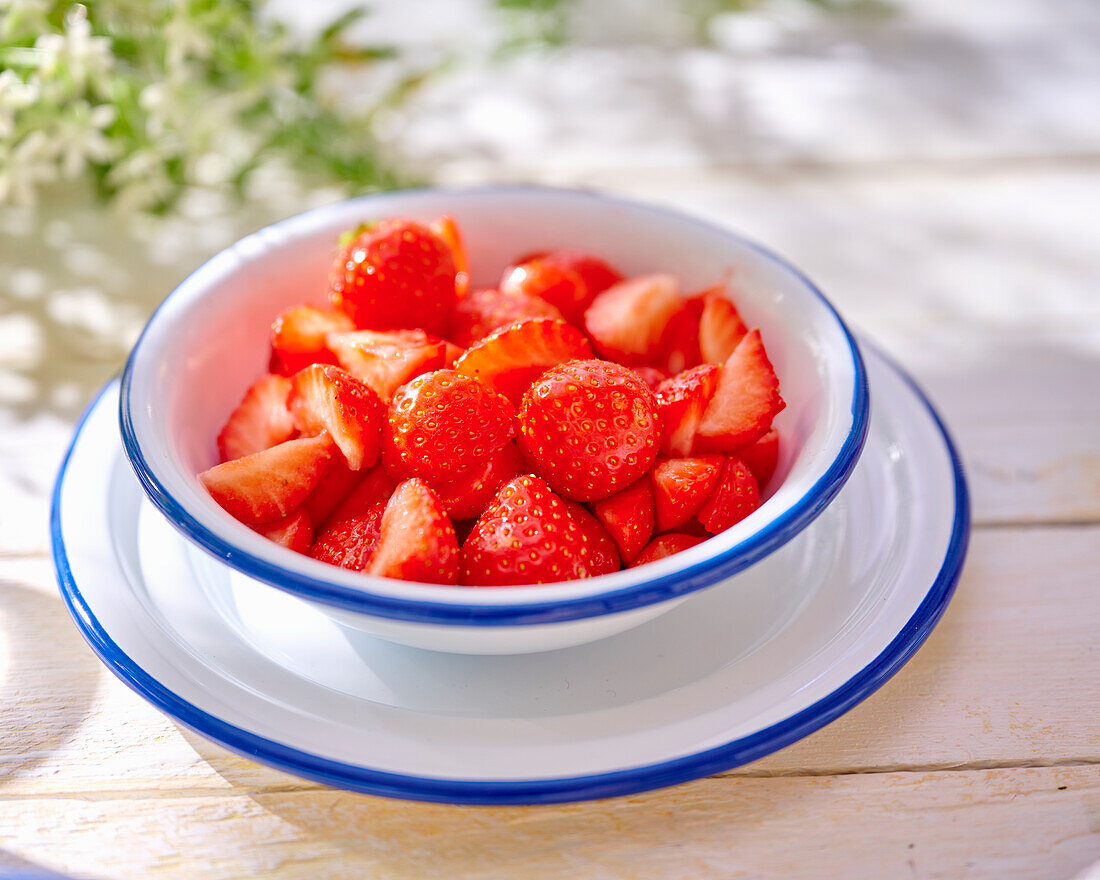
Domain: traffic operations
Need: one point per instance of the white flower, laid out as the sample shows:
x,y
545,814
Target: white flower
x,y
14,95
18,17
184,40
24,166
83,57
140,180
78,136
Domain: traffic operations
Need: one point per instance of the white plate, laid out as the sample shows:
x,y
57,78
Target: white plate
x,y
737,671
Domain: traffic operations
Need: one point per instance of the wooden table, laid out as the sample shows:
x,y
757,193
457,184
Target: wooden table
x,y
939,175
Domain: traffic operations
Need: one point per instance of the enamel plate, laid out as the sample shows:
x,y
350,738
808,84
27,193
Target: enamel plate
x,y
737,671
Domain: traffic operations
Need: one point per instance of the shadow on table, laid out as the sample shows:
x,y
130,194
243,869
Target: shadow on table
x,y
13,867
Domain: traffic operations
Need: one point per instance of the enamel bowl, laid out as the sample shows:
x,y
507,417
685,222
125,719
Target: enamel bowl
x,y
209,340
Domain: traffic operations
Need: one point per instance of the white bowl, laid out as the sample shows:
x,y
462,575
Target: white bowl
x,y
209,340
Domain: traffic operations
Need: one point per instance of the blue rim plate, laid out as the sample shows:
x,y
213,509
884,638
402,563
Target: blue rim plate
x,y
527,611
897,650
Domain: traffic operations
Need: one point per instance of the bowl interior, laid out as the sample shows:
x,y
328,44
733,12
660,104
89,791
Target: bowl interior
x,y
209,341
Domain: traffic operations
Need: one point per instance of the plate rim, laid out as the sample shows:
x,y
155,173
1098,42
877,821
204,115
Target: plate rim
x,y
626,781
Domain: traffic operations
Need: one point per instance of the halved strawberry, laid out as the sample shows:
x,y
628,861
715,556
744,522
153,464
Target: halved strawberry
x,y
483,311
467,496
387,360
295,532
260,421
628,518
525,536
417,541
335,485
627,321
443,424
652,376
447,229
508,360
266,486
720,327
602,553
734,498
665,545
745,401
396,274
375,487
681,402
326,398
680,486
298,337
680,342
762,457
351,542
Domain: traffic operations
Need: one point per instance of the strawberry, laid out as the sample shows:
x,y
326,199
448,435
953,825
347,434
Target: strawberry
x,y
525,536
680,342
665,545
627,322
508,360
375,487
396,274
335,485
589,428
734,498
484,311
417,542
603,555
745,401
652,376
260,421
326,398
447,230
266,486
680,486
298,337
720,327
681,402
628,518
451,354
385,361
762,457
443,424
466,496
295,532
350,543
568,279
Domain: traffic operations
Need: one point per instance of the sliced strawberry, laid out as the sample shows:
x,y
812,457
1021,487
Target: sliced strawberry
x,y
720,327
260,421
627,322
680,486
295,532
452,353
596,274
762,457
417,541
745,402
298,337
680,342
385,361
602,553
396,274
560,287
652,376
375,487
447,229
681,402
525,536
268,485
327,398
350,543
628,518
734,498
335,485
665,545
589,428
467,496
508,360
443,424
483,311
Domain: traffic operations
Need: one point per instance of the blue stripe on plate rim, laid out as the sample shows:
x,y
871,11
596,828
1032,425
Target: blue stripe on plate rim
x,y
534,791
529,612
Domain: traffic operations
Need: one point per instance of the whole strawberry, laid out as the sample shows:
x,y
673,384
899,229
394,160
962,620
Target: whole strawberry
x,y
589,428
396,275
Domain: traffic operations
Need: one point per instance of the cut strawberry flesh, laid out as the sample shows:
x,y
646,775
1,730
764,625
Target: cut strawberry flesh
x,y
680,486
762,457
335,485
627,322
447,229
376,486
720,327
628,518
350,543
734,498
295,532
483,311
417,542
666,545
681,402
298,337
261,420
327,398
679,345
745,401
387,360
268,485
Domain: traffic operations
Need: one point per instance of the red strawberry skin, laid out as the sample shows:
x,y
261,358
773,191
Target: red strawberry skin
x,y
350,543
525,536
762,457
467,496
602,553
628,322
589,428
681,402
745,401
295,532
268,485
396,275
416,542
375,487
443,424
483,311
734,498
335,485
327,398
681,485
298,337
508,360
628,518
665,545
261,420
568,279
